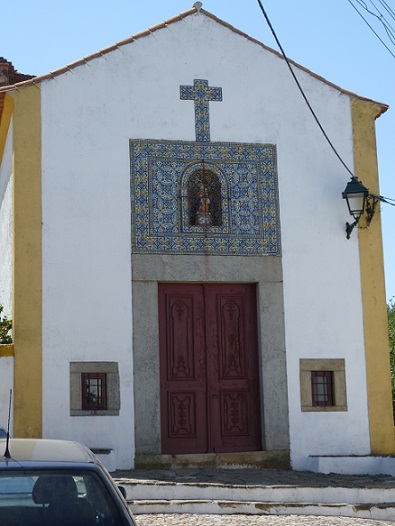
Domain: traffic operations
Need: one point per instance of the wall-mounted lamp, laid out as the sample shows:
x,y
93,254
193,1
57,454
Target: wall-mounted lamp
x,y
358,199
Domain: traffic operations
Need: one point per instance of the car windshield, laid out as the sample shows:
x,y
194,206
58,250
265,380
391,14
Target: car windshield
x,y
56,498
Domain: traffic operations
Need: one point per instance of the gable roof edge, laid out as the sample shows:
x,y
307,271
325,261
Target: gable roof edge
x,y
382,107
97,54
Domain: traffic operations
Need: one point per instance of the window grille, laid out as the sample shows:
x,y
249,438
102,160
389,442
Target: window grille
x,y
94,391
322,388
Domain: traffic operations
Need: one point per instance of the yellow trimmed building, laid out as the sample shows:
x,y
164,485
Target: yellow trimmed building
x,y
174,258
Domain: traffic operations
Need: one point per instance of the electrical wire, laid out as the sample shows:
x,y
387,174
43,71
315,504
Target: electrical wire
x,y
380,198
371,28
383,199
381,18
301,90
387,8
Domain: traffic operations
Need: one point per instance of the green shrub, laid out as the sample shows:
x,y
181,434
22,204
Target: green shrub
x,y
5,328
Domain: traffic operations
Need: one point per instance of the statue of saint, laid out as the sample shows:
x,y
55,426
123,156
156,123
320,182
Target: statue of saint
x,y
203,216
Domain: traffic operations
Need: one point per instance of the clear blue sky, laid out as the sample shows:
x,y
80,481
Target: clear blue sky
x,y
326,36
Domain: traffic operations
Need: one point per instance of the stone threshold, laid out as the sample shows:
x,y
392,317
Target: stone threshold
x,y
278,459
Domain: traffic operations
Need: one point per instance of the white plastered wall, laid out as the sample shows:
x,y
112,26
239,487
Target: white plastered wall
x,y
6,384
6,362
322,297
86,259
89,115
6,226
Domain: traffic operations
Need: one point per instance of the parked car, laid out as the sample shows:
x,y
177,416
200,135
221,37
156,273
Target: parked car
x,y
57,483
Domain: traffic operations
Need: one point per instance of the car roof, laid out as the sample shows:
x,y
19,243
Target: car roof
x,y
46,450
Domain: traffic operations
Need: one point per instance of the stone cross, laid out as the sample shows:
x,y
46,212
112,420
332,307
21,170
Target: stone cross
x,y
201,94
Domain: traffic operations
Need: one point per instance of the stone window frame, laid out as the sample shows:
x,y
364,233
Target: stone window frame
x,y
338,369
111,370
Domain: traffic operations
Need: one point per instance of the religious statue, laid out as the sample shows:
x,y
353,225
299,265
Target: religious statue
x,y
203,216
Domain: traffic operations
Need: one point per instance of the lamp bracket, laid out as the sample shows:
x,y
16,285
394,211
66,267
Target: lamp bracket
x,y
371,204
370,209
350,228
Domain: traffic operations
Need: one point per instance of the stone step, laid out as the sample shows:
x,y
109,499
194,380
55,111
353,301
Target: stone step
x,y
153,496
383,511
166,491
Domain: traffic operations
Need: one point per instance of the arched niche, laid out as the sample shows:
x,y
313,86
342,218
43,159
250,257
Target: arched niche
x,y
205,192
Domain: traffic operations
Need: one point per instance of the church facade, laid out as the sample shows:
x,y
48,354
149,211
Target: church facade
x,y
174,257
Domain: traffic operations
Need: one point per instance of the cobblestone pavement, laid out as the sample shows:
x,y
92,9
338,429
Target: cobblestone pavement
x,y
253,520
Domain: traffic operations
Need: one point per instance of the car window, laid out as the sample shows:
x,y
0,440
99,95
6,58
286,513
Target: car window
x,y
61,498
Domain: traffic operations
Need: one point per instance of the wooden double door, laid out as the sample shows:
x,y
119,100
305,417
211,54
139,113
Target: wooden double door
x,y
209,369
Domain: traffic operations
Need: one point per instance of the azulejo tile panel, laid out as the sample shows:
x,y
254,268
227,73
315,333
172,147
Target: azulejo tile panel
x,y
247,174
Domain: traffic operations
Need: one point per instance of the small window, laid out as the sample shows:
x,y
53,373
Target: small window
x,y
322,388
323,384
94,391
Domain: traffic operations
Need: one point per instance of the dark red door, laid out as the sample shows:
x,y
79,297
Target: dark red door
x,y
208,368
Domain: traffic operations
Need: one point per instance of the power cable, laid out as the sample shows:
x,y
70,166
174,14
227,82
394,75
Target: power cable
x,y
386,200
387,8
301,90
380,198
367,23
381,18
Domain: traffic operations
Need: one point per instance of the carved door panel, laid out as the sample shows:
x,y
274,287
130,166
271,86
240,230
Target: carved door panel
x,y
232,368
208,368
182,369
